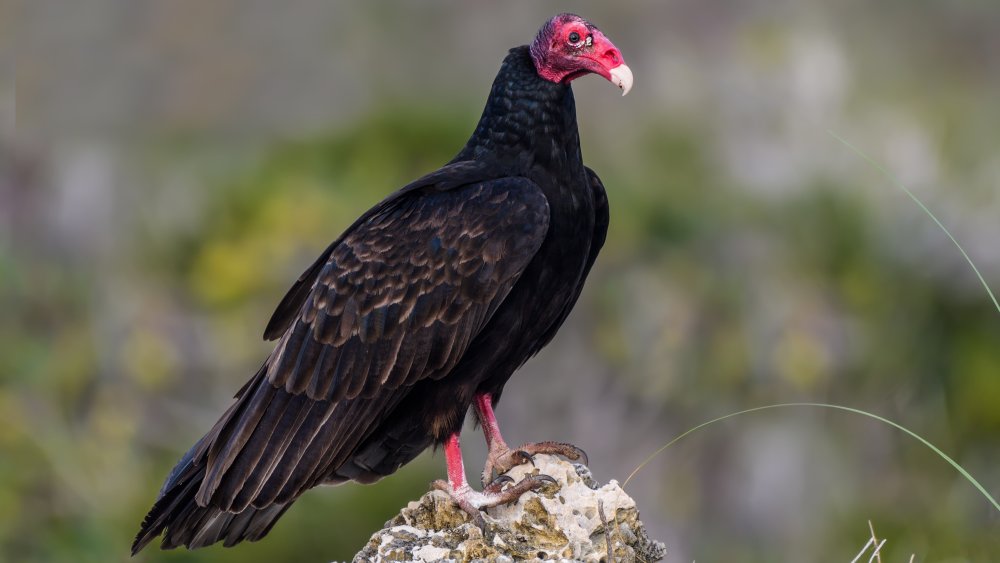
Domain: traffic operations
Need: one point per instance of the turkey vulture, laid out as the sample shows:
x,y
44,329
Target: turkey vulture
x,y
423,307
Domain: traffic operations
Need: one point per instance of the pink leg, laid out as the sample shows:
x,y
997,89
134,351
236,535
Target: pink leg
x,y
488,420
456,467
501,457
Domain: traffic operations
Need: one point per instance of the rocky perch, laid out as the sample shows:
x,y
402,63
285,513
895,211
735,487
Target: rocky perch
x,y
575,519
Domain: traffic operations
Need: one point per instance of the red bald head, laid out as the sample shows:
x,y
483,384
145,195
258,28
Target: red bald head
x,y
568,47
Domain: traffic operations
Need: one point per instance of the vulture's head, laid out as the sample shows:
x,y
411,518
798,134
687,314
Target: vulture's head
x,y
568,47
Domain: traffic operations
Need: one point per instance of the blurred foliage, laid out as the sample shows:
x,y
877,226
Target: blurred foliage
x,y
76,465
751,260
82,423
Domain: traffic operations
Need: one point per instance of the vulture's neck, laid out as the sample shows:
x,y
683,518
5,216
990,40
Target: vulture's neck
x,y
527,120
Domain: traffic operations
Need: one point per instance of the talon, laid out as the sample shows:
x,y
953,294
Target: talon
x,y
546,479
575,454
524,457
503,480
545,482
479,520
496,486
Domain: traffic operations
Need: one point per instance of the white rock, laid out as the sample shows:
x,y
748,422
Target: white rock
x,y
561,522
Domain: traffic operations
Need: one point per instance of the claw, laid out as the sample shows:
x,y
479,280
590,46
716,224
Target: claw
x,y
524,457
546,480
496,486
503,479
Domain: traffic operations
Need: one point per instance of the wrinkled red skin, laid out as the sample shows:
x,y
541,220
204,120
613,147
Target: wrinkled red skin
x,y
560,60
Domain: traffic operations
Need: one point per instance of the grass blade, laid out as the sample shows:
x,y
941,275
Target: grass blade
x,y
916,200
933,448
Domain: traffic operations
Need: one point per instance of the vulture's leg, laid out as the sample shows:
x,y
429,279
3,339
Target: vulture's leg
x,y
473,501
501,457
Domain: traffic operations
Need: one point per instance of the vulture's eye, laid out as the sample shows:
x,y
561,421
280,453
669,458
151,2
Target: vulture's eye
x,y
574,37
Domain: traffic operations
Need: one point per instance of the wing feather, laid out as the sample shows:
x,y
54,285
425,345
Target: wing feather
x,y
447,177
282,438
231,434
398,299
246,458
390,273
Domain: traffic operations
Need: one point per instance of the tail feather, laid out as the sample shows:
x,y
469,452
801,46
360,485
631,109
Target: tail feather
x,y
236,482
184,523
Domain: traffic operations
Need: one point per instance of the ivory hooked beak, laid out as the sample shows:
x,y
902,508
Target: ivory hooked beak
x,y
621,76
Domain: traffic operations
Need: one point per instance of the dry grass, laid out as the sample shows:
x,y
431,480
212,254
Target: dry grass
x,y
875,545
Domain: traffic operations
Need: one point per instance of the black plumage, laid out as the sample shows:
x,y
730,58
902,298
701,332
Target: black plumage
x,y
436,294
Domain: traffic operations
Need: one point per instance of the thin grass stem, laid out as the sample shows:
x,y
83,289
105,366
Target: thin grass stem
x,y
933,448
916,200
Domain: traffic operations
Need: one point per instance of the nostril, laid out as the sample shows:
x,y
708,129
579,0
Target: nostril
x,y
613,56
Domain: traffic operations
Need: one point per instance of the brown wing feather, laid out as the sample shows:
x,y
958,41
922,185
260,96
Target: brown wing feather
x,y
427,268
445,178
399,299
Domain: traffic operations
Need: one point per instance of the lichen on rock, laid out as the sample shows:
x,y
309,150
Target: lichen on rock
x,y
562,521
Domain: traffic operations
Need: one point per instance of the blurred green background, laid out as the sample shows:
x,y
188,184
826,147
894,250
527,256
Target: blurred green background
x,y
177,164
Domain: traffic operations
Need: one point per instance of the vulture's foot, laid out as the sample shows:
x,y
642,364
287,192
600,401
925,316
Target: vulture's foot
x,y
502,459
473,502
